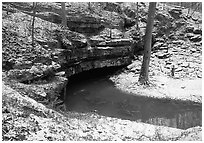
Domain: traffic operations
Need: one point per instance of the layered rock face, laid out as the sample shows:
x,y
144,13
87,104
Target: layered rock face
x,y
97,53
89,41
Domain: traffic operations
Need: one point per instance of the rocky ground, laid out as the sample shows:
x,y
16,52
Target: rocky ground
x,y
177,52
33,79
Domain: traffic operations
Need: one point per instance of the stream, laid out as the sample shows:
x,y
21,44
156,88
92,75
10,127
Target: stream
x,y
94,92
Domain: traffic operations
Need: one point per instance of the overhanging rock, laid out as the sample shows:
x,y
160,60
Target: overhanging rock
x,y
88,65
109,53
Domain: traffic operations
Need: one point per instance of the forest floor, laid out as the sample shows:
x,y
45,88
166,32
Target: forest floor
x,y
23,118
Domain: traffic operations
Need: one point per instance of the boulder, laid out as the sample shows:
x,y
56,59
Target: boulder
x,y
128,23
112,7
180,23
59,55
7,64
129,12
86,24
175,12
172,36
163,17
51,88
69,39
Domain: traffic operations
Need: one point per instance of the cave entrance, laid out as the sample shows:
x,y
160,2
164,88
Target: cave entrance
x,y
93,91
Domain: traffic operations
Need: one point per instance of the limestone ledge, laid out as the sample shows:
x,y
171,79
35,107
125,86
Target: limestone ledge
x,y
100,63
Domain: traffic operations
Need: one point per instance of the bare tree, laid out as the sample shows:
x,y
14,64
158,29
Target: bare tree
x,y
89,7
137,16
33,22
110,32
64,20
188,11
144,72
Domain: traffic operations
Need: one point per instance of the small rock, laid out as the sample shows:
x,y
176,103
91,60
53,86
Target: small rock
x,y
135,69
185,64
143,20
189,29
161,40
168,66
179,62
198,44
163,55
157,45
196,38
176,76
191,70
178,69
197,31
193,50
189,35
199,75
183,87
184,47
178,42
60,73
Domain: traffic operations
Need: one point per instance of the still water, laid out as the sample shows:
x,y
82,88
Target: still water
x,y
99,95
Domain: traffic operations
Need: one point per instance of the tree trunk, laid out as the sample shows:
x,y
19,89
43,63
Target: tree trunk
x,y
33,23
137,17
89,7
64,20
188,12
144,72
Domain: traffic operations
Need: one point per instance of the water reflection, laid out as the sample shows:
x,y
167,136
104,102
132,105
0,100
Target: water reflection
x,y
181,120
102,97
